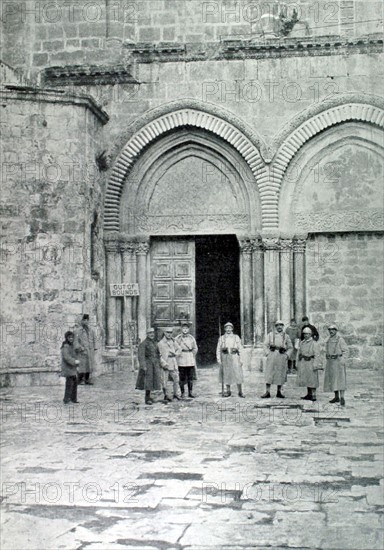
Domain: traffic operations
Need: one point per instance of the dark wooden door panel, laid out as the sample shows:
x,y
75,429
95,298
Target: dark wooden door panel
x,y
173,281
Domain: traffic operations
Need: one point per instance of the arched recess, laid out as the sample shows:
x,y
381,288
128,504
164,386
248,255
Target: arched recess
x,y
183,118
187,182
321,122
334,183
190,182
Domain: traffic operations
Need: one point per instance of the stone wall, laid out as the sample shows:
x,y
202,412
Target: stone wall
x,y
41,33
51,187
345,286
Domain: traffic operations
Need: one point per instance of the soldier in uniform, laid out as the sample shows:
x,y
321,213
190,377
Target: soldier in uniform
x,y
228,355
309,364
277,348
293,332
305,323
187,359
169,352
335,378
85,346
149,377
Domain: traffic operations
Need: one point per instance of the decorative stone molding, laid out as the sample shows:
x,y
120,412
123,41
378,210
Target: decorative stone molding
x,y
39,95
371,220
193,223
82,75
112,245
362,112
162,125
334,100
253,47
197,105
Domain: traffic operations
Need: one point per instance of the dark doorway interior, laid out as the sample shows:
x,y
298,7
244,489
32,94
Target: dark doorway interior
x,y
217,291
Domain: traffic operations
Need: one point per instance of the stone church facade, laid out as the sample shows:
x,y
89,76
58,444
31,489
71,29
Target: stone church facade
x,y
224,156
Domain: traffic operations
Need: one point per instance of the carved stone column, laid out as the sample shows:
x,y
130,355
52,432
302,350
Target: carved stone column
x,y
142,249
128,257
299,277
246,292
271,278
258,293
285,279
113,305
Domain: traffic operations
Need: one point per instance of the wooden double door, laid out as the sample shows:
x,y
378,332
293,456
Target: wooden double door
x,y
173,281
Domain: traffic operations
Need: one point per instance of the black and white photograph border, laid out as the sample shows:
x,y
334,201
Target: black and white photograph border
x,y
191,262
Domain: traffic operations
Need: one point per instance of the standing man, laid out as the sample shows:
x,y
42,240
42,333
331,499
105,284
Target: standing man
x,y
306,323
293,332
228,355
149,377
187,359
309,364
277,348
85,346
169,352
335,378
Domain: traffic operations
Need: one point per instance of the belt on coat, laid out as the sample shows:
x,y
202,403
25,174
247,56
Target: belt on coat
x,y
306,357
233,352
333,356
186,350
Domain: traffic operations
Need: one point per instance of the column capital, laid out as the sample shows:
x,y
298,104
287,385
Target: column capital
x,y
271,243
112,245
299,245
285,244
246,245
128,247
142,248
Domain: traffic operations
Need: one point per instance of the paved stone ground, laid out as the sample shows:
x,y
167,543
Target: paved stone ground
x,y
209,473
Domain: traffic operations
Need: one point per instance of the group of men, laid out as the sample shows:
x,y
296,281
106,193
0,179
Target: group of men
x,y
297,349
170,360
294,350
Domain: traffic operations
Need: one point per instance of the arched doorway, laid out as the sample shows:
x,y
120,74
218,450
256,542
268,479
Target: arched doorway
x,y
188,210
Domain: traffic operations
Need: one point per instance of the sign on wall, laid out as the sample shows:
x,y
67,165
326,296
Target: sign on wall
x,y
124,289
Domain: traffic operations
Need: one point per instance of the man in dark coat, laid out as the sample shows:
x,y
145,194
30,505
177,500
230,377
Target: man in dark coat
x,y
305,323
149,377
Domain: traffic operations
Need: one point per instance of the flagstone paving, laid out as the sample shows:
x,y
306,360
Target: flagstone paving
x,y
111,473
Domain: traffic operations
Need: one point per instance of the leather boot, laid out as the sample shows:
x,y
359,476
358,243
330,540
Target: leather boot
x,y
190,387
336,398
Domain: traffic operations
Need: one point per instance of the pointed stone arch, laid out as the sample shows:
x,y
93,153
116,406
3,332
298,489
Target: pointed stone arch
x,y
339,114
164,124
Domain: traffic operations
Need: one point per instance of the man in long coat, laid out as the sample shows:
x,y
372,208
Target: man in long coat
x,y
228,355
277,348
308,364
187,359
85,346
169,352
335,378
149,376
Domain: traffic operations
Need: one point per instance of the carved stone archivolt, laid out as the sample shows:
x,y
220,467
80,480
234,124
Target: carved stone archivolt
x,y
178,119
268,179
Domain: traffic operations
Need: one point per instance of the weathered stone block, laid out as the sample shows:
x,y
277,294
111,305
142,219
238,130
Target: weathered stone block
x,y
53,46
40,59
90,43
318,305
149,34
